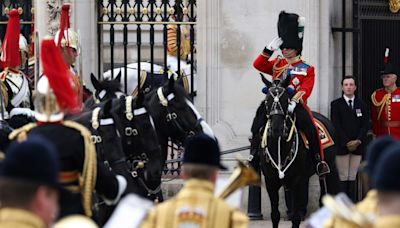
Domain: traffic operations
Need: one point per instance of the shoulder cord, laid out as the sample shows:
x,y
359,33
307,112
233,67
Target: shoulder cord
x,y
279,70
87,180
381,104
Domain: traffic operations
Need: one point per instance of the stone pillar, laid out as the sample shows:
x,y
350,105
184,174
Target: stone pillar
x,y
84,21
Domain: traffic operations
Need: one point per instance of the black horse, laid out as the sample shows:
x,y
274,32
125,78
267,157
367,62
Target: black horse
x,y
104,90
174,115
283,156
140,145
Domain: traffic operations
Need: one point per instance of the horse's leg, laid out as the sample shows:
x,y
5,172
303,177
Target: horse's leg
x,y
297,201
273,193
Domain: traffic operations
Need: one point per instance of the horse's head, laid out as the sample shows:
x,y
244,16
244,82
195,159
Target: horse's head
x,y
276,103
106,89
174,113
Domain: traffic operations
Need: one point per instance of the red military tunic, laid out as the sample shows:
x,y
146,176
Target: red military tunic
x,y
302,75
385,112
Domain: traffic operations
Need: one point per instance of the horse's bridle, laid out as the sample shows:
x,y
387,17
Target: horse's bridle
x,y
277,109
96,137
138,162
173,118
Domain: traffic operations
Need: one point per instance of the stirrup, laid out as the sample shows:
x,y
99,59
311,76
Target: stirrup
x,y
322,168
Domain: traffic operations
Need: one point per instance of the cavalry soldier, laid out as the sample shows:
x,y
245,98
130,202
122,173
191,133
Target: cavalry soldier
x,y
195,205
385,111
67,40
172,37
80,172
291,31
14,83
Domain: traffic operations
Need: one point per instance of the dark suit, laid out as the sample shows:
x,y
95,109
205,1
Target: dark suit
x,y
350,124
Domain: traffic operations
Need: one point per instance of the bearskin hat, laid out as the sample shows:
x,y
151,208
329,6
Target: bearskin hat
x,y
291,31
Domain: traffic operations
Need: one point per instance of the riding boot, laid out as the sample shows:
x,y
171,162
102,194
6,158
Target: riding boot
x,y
352,190
344,186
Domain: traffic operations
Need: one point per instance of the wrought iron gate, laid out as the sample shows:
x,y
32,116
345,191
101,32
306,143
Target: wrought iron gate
x,y
379,28
373,28
141,16
144,25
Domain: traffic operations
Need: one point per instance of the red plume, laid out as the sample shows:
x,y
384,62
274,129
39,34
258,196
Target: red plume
x,y
64,23
10,48
59,76
386,58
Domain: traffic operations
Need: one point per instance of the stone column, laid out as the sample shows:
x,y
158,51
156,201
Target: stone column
x,y
84,21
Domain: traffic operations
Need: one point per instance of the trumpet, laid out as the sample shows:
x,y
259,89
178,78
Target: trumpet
x,y
242,176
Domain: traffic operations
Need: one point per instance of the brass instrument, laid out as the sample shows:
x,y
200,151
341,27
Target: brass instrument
x,y
342,207
242,176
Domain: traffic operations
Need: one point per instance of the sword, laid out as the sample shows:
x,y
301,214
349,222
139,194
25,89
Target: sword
x,y
79,67
37,60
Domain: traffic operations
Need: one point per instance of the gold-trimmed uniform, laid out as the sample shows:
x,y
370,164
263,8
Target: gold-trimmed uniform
x,y
18,218
385,113
195,206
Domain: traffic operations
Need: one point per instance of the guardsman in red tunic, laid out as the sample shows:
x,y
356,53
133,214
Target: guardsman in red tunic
x,y
385,112
291,30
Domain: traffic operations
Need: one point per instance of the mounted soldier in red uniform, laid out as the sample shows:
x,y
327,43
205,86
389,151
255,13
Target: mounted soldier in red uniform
x,y
302,76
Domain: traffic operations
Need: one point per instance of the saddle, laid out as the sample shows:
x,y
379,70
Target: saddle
x,y
150,81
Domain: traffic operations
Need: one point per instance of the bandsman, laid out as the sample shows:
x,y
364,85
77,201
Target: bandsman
x,y
195,205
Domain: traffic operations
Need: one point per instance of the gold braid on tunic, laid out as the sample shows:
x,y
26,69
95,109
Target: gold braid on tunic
x,y
4,93
279,70
381,104
87,179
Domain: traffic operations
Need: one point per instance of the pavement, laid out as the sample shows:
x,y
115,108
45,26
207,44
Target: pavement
x,y
268,223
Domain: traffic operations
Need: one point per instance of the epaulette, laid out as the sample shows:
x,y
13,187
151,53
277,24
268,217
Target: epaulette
x,y
87,180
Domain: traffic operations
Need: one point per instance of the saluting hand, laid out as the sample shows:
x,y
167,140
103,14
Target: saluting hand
x,y
275,44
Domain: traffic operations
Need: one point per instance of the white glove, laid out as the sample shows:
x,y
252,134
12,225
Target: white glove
x,y
275,44
292,106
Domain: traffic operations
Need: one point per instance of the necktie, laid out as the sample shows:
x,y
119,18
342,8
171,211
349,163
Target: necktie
x,y
351,104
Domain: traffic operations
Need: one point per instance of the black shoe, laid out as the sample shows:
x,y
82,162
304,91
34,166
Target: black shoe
x,y
322,168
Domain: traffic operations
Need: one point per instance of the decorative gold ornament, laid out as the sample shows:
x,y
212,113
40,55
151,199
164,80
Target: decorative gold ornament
x,y
131,10
105,10
145,11
394,6
158,10
185,11
118,11
20,10
171,11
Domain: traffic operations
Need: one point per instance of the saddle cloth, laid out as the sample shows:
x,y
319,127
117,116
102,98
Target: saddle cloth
x,y
326,138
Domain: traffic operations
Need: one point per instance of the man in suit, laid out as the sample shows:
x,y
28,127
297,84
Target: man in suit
x,y
350,117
